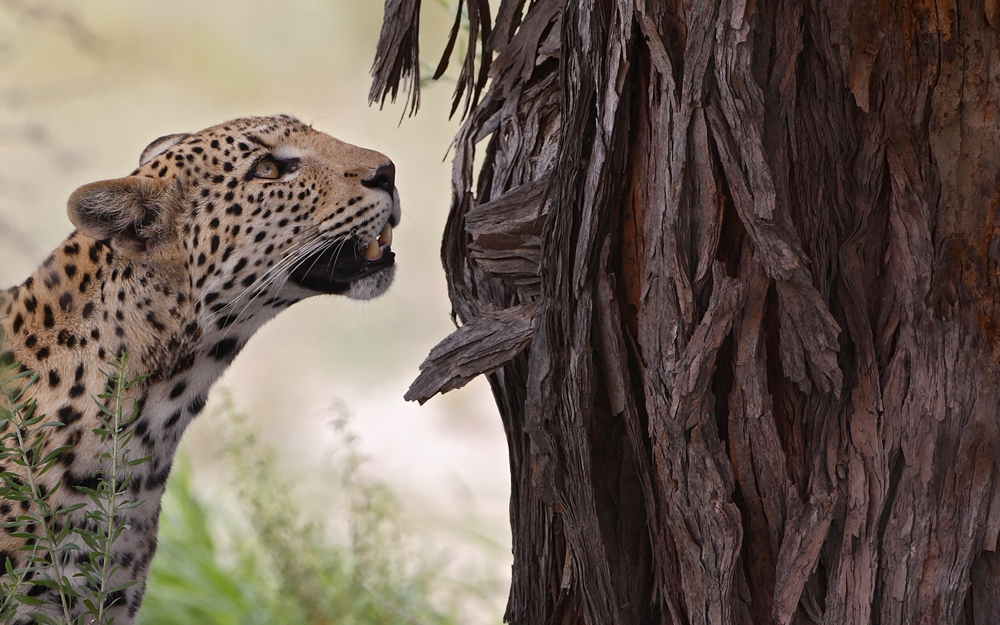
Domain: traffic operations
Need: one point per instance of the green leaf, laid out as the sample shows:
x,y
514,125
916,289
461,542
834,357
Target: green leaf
x,y
47,583
125,585
138,461
55,453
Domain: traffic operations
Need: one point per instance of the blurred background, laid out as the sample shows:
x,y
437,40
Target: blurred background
x,y
84,87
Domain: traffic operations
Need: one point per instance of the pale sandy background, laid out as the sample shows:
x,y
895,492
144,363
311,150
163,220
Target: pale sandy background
x,y
79,102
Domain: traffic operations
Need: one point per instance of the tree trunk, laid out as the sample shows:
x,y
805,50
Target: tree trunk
x,y
732,271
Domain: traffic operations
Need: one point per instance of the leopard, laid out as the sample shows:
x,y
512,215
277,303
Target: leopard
x,y
173,268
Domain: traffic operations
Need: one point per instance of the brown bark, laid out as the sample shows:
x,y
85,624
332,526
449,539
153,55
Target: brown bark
x,y
731,269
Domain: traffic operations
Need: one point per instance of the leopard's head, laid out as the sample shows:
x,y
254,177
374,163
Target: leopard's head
x,y
255,213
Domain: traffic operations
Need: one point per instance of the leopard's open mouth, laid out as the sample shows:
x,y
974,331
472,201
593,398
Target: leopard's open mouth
x,y
334,268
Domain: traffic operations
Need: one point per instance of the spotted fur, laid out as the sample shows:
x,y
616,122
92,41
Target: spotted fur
x,y
177,265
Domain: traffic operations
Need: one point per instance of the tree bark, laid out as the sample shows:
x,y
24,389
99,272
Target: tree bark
x,y
731,269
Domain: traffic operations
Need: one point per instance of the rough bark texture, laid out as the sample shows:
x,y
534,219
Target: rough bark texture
x,y
732,270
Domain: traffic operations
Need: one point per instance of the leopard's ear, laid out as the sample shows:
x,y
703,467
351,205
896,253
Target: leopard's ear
x,y
132,211
161,145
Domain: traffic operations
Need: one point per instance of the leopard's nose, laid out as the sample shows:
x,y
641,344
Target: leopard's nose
x,y
384,178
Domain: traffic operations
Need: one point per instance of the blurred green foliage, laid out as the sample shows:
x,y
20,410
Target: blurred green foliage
x,y
279,563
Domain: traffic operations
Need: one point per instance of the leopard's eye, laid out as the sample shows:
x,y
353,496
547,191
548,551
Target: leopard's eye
x,y
266,168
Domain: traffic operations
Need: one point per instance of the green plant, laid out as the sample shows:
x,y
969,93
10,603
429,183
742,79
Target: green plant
x,y
278,560
111,497
50,531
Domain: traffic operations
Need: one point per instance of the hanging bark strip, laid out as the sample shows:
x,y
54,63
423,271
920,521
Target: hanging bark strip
x,y
731,270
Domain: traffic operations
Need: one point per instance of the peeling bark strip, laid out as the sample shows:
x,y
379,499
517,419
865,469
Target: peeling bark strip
x,y
481,346
397,60
731,269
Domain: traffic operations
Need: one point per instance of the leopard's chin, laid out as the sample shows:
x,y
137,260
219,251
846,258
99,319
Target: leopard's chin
x,y
372,285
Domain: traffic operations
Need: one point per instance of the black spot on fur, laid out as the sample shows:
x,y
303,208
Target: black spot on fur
x,y
226,321
178,389
223,348
197,405
48,319
79,481
174,418
153,321
158,478
114,597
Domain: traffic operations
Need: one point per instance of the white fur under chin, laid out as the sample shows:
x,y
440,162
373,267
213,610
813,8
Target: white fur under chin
x,y
372,286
